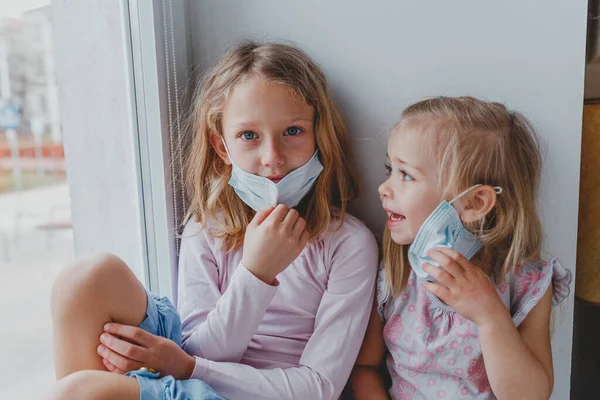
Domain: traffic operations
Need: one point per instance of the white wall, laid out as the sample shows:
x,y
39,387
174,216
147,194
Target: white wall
x,y
382,55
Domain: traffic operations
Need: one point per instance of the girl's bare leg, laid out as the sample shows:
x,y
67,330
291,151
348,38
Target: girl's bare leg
x,y
85,296
95,385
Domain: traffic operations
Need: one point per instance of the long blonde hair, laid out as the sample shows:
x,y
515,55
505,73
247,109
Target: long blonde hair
x,y
207,176
480,142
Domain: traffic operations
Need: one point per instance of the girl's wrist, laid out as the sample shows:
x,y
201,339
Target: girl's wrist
x,y
499,315
261,275
190,366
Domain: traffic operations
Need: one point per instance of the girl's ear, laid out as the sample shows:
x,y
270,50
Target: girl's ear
x,y
217,143
477,203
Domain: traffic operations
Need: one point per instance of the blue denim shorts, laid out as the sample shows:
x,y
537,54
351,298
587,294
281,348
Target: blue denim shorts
x,y
163,320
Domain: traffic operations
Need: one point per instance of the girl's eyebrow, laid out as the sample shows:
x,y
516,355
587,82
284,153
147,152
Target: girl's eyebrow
x,y
402,162
253,123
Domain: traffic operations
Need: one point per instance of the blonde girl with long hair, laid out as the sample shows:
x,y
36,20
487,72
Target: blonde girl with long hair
x,y
276,279
463,298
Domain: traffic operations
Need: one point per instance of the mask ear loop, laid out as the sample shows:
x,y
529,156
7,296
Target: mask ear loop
x,y
464,192
498,190
227,151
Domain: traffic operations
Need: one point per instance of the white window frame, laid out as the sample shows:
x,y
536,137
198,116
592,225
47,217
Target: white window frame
x,y
159,59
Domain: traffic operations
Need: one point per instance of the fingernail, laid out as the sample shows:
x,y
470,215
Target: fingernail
x,y
103,337
101,349
107,327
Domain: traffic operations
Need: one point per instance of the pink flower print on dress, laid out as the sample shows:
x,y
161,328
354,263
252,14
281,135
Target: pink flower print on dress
x,y
405,296
419,362
405,390
420,329
443,376
393,373
528,277
459,371
451,361
411,308
468,350
411,282
463,328
393,329
477,375
502,289
440,349
441,394
423,315
454,345
431,382
464,391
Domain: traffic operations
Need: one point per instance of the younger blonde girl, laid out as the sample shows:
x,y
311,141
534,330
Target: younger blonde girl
x,y
463,299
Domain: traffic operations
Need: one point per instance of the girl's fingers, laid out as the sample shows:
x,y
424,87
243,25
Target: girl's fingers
x,y
132,333
278,214
290,219
441,292
299,227
109,366
124,348
117,360
261,216
446,262
443,277
457,258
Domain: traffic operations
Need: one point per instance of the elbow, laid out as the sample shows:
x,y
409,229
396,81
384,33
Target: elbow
x,y
541,391
326,387
546,386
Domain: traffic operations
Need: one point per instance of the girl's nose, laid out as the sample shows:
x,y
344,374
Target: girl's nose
x,y
385,190
273,154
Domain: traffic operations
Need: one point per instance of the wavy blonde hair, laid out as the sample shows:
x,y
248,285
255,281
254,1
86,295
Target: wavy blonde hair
x,y
480,142
207,176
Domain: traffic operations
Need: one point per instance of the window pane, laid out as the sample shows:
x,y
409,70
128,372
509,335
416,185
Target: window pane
x,y
36,239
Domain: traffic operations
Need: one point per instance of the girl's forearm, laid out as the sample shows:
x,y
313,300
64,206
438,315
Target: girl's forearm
x,y
512,370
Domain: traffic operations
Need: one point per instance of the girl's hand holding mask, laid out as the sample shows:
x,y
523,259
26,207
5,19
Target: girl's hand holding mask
x,y
273,240
464,287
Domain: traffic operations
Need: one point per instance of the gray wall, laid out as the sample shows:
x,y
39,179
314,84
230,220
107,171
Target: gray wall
x,y
382,55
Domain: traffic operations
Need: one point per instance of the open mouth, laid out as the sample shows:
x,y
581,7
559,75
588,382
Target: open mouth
x,y
396,217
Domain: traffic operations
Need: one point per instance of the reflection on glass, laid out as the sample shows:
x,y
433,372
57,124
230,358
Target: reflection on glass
x,y
36,238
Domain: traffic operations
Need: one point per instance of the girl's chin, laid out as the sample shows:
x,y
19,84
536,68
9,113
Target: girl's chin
x,y
401,239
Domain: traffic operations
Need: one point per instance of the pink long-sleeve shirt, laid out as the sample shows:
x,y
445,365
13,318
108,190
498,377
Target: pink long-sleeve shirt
x,y
295,340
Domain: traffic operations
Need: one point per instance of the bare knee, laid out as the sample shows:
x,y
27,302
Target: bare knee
x,y
78,385
87,279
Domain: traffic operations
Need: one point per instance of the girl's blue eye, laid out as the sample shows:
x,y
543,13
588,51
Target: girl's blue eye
x,y
248,135
406,177
388,170
293,131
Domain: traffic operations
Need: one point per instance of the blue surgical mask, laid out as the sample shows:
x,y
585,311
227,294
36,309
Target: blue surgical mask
x,y
260,193
443,228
